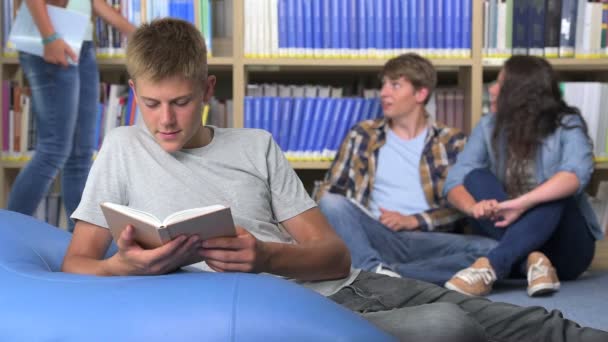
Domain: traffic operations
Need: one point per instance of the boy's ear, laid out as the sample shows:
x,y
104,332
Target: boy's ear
x,y
421,94
209,88
132,85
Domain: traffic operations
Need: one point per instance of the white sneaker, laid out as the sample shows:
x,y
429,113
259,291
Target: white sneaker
x,y
382,270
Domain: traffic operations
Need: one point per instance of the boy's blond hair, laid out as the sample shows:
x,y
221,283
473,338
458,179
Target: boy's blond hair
x,y
416,69
167,48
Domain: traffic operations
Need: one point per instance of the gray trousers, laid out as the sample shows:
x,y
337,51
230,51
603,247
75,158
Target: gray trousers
x,y
418,311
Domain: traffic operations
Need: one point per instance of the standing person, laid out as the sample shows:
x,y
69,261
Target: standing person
x,y
174,162
64,102
521,179
383,192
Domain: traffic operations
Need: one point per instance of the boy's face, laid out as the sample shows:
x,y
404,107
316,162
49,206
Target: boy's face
x,y
171,109
400,98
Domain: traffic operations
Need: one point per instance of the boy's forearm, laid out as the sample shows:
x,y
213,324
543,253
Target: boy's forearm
x,y
316,260
86,265
461,199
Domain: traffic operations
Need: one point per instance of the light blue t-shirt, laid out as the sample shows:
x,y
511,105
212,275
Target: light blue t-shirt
x,y
397,185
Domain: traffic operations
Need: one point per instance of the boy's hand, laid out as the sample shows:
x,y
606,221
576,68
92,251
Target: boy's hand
x,y
485,209
57,51
243,253
131,259
396,222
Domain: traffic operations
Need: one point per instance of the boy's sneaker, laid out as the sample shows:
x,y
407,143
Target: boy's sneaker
x,y
476,280
388,272
542,277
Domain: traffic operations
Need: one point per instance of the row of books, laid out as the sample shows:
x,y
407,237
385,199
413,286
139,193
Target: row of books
x,y
111,43
591,98
357,28
550,28
18,126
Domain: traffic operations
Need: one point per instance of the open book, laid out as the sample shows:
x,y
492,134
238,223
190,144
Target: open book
x,y
150,232
70,25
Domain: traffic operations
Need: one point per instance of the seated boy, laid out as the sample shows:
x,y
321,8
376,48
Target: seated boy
x,y
383,193
173,162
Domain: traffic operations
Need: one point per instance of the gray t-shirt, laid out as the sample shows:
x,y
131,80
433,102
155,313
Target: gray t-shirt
x,y
240,168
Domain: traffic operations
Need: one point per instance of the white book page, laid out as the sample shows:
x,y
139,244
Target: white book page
x,y
139,214
184,215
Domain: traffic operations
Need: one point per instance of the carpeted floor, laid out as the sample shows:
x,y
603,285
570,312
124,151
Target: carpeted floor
x,y
584,300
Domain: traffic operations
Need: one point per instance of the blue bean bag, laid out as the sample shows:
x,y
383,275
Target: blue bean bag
x,y
39,303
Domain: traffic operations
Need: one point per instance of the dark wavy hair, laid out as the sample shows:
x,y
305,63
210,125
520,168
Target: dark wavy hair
x,y
530,107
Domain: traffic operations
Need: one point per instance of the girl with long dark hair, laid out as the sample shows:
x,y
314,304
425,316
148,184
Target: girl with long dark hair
x,y
521,179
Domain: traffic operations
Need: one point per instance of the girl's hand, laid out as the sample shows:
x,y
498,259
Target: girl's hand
x,y
509,211
58,51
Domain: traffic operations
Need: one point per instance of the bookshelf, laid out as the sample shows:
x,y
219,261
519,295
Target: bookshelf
x,y
236,71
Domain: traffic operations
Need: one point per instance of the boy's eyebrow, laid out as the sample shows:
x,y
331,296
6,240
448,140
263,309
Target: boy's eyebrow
x,y
171,100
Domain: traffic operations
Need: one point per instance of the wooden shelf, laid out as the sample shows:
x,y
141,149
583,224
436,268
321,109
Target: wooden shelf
x,y
565,64
13,164
340,63
310,165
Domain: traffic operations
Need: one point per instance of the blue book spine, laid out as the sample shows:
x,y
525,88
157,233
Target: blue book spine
x,y
439,27
275,116
248,117
406,38
375,109
362,29
333,127
345,117
335,29
327,28
413,24
536,27
366,107
296,126
323,125
520,27
266,114
291,28
300,43
344,28
306,127
282,16
353,28
308,29
467,18
380,27
458,41
286,114
421,21
370,24
356,111
431,22
448,20
388,28
397,24
257,113
568,29
318,29
313,135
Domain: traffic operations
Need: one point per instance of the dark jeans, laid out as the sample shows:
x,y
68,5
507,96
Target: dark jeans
x,y
64,101
557,228
401,306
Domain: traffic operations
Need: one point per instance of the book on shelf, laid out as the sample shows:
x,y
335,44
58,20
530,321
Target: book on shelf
x,y
70,25
151,232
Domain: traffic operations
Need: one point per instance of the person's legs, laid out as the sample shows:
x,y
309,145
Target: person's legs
x,y
54,103
501,322
77,166
571,247
350,222
430,322
371,243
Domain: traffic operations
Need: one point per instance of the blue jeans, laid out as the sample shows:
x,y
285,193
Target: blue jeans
x,y
556,228
64,102
429,256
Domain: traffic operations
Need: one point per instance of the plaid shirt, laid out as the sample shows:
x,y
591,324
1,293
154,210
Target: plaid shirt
x,y
353,170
